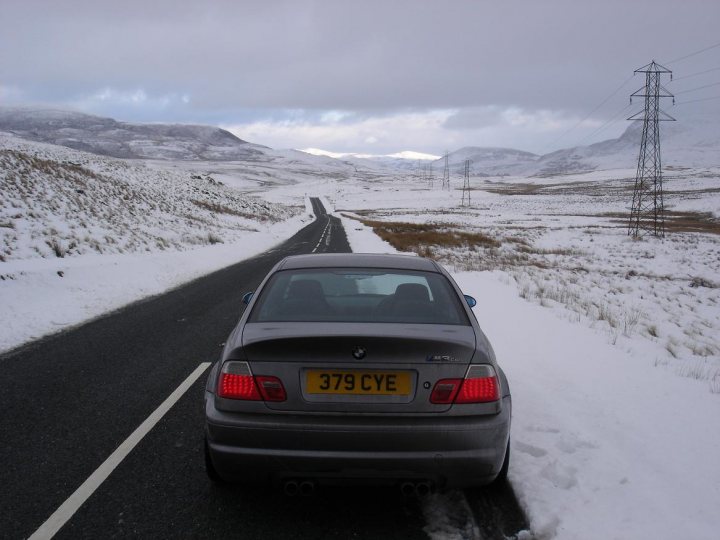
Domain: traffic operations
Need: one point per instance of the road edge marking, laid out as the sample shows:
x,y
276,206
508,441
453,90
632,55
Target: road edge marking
x,y
73,503
322,235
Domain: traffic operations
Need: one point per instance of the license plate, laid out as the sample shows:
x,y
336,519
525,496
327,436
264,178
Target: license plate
x,y
370,383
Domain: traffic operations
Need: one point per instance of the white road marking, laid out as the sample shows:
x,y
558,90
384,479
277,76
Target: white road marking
x,y
73,503
322,236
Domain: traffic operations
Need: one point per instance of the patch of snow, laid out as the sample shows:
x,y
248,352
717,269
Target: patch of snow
x,y
611,345
43,296
604,443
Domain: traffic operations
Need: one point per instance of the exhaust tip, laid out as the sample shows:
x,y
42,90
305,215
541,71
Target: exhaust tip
x,y
307,488
423,489
407,489
291,488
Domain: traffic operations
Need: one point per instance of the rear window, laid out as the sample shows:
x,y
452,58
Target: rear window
x,y
365,295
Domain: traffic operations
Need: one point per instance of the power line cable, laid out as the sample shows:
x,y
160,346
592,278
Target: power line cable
x,y
695,74
696,100
698,88
692,54
613,120
603,102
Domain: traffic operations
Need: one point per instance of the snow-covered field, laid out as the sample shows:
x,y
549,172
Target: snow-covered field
x,y
611,345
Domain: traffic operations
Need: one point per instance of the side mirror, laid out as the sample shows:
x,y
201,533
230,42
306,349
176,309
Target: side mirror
x,y
470,300
247,297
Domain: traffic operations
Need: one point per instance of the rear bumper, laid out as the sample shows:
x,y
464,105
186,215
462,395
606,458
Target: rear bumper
x,y
451,451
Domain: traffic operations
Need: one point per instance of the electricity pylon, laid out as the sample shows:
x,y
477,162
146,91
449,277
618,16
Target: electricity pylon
x,y
446,173
466,184
430,178
647,215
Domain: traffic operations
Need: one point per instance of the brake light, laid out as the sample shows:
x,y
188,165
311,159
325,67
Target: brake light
x,y
479,386
480,390
238,382
238,387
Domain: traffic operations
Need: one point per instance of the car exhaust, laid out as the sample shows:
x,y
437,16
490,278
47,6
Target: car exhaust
x,y
291,488
423,489
307,488
407,489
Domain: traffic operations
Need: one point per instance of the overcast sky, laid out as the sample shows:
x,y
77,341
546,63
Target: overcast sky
x,y
366,76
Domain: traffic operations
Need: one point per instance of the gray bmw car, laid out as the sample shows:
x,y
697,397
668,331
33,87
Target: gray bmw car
x,y
359,368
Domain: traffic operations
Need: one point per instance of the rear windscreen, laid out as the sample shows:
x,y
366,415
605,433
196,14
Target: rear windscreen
x,y
352,295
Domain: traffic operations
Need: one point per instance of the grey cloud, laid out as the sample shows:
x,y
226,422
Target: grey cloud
x,y
474,118
370,55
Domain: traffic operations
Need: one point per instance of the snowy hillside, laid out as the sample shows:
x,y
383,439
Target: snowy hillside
x,y
683,145
108,137
59,202
487,161
406,160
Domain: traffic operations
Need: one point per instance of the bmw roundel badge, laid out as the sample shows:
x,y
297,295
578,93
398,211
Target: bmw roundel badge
x,y
359,352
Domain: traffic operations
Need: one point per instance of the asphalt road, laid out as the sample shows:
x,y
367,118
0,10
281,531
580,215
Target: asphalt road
x,y
68,401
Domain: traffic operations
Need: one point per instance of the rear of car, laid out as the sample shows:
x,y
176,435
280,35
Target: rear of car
x,y
357,368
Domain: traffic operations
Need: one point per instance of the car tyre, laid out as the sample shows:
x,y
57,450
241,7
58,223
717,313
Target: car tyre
x,y
210,468
502,475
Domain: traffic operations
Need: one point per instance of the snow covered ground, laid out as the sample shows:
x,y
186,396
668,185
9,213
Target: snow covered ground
x,y
604,443
612,346
43,296
81,235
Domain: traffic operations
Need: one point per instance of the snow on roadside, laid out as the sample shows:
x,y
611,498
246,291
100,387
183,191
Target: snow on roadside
x,y
605,445
81,234
361,237
37,300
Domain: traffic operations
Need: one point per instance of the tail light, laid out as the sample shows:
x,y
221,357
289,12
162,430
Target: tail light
x,y
271,388
238,382
480,385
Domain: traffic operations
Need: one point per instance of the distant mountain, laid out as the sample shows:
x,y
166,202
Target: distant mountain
x,y
486,161
693,143
109,137
609,154
406,155
406,160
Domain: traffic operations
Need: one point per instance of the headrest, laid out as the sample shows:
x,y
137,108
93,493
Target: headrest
x,y
305,289
412,292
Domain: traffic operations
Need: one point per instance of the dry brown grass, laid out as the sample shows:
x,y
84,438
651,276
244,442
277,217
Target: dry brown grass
x,y
422,237
703,222
221,209
691,222
526,188
73,172
568,252
501,188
